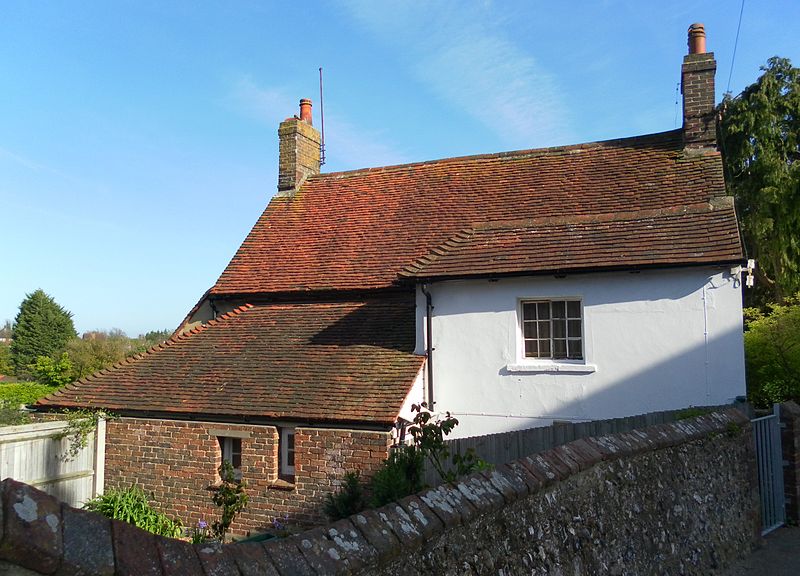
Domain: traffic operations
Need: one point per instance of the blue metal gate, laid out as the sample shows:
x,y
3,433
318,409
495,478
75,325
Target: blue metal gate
x,y
767,436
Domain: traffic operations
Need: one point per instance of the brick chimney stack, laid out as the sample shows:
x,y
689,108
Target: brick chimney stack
x,y
298,150
697,87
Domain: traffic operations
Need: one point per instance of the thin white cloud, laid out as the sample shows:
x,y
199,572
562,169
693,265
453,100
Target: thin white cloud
x,y
347,146
267,104
39,167
76,182
461,53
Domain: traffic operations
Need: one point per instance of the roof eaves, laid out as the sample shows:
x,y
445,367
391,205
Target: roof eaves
x,y
578,270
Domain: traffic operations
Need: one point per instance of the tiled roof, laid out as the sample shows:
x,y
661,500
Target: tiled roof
x,y
694,234
313,362
359,230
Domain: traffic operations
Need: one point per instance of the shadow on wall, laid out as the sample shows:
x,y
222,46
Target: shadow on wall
x,y
704,375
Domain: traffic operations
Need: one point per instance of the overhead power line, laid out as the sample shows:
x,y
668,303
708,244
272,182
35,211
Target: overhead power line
x,y
735,45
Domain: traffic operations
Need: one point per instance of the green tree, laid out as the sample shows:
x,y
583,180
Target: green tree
x,y
760,143
52,372
772,351
6,366
97,350
146,341
41,328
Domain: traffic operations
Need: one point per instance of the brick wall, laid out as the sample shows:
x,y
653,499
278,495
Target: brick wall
x,y
697,86
298,153
790,440
177,461
675,498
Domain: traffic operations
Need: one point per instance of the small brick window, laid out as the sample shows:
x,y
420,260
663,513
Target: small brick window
x,y
552,329
286,466
231,449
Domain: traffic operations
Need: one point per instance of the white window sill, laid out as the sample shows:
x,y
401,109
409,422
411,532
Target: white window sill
x,y
552,367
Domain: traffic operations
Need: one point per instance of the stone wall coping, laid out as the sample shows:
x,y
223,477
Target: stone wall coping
x,y
792,408
40,533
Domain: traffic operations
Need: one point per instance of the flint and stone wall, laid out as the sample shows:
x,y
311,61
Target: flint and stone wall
x,y
675,498
177,462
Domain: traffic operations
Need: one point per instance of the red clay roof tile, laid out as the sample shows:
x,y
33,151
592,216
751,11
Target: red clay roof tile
x,y
692,235
359,230
322,362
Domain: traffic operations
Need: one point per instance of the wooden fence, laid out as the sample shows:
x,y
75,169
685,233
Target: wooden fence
x,y
508,446
34,454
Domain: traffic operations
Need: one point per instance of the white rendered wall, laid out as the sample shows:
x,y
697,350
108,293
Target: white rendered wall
x,y
653,340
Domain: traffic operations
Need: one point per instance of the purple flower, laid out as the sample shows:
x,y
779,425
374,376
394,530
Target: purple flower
x,y
202,524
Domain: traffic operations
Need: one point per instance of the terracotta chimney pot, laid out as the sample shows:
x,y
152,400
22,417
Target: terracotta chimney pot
x,y
305,110
697,39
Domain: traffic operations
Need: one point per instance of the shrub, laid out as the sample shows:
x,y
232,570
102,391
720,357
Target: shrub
x,y
772,353
399,475
51,372
12,396
231,497
348,500
11,415
131,505
24,392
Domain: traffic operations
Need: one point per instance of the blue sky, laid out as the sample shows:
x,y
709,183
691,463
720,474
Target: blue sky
x,y
138,140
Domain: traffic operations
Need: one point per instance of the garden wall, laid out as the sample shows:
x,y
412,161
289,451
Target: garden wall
x,y
675,498
177,462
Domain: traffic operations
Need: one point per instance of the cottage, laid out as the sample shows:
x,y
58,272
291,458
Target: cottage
x,y
513,289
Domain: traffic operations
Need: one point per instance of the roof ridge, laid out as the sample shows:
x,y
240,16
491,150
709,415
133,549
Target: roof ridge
x,y
665,136
169,342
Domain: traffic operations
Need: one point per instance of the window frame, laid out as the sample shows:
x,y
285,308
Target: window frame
x,y
286,452
551,338
230,448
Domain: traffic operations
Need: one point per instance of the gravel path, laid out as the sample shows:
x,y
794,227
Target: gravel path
x,y
780,556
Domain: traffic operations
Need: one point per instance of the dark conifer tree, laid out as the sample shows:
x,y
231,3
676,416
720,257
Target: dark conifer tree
x,y
41,328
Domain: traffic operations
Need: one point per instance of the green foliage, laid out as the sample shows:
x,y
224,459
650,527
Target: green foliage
x,y
11,415
201,533
80,424
231,497
760,142
98,350
398,476
154,337
41,328
772,353
429,432
401,474
50,372
6,365
691,412
348,500
131,506
732,430
24,392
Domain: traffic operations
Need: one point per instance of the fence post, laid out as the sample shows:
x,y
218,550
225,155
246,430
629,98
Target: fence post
x,y
790,437
99,457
